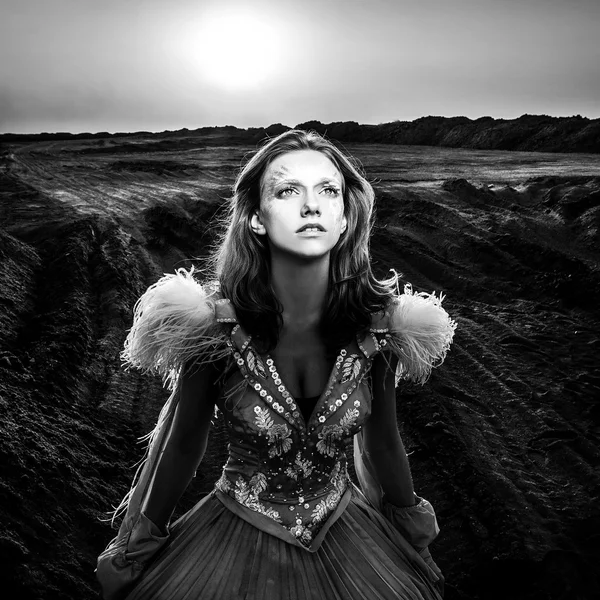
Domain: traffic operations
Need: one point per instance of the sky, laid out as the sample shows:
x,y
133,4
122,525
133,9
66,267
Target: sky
x,y
131,65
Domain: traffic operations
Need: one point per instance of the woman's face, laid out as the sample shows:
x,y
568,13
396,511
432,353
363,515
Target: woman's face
x,y
301,204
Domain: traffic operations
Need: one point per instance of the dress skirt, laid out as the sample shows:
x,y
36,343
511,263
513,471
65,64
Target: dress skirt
x,y
214,554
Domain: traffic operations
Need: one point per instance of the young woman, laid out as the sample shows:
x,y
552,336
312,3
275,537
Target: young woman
x,y
300,347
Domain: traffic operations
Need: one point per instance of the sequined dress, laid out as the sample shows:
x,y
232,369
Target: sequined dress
x,y
284,520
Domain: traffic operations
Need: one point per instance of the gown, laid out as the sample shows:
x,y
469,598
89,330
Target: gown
x,y
284,521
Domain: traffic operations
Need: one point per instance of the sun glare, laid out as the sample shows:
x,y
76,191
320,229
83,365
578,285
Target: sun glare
x,y
235,49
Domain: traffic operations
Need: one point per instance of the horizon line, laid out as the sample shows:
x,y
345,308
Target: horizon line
x,y
147,131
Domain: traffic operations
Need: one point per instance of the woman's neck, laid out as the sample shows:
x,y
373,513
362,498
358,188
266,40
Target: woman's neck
x,y
301,288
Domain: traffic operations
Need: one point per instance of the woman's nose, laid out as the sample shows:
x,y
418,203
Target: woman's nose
x,y
311,205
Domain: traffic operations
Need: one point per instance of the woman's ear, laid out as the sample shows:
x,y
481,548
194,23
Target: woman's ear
x,y
344,224
256,224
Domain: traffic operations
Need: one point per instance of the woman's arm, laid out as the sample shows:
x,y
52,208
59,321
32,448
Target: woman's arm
x,y
197,389
382,441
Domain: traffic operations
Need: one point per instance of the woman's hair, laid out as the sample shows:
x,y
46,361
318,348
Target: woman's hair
x,y
242,259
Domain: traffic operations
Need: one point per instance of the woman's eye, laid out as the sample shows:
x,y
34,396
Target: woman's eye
x,y
285,192
331,191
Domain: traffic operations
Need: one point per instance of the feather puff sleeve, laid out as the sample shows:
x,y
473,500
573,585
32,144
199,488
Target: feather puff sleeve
x,y
174,322
420,333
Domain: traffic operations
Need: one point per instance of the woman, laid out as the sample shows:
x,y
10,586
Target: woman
x,y
300,347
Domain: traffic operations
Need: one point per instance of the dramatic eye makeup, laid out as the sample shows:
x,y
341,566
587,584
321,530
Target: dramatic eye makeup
x,y
285,191
282,189
332,190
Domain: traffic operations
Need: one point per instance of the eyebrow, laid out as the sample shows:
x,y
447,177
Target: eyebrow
x,y
275,181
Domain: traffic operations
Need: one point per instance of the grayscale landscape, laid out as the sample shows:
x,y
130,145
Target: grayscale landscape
x,y
503,439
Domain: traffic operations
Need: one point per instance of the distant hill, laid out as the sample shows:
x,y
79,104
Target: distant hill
x,y
538,133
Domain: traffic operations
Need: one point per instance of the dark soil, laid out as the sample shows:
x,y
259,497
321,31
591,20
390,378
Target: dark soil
x,y
503,440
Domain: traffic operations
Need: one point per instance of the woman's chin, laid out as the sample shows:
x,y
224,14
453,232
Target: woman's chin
x,y
301,256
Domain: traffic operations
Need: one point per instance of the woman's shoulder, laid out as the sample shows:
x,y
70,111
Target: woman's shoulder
x,y
416,328
178,319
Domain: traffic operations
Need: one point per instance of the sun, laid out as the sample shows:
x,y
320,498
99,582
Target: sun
x,y
236,49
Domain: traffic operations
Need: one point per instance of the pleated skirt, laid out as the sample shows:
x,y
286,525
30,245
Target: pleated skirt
x,y
213,554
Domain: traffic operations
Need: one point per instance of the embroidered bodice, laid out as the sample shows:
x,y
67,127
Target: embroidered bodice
x,y
291,472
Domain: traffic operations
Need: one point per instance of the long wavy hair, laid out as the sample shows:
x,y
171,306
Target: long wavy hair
x,y
241,261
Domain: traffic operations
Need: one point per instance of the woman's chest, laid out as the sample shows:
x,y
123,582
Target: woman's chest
x,y
303,364
257,399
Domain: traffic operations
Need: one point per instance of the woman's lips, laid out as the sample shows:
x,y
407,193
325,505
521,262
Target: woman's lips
x,y
311,232
311,226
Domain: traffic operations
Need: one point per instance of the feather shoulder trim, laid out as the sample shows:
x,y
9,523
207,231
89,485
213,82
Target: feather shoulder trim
x,y
420,333
174,322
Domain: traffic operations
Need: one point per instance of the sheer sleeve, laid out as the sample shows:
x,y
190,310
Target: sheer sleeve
x,y
175,324
417,330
